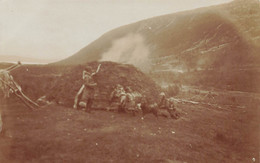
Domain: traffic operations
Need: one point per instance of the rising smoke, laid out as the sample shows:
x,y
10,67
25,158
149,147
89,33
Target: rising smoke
x,y
130,49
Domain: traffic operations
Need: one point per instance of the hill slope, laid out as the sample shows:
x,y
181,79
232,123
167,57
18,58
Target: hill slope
x,y
215,46
200,38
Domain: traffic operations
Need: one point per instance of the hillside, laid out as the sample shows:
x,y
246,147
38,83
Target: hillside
x,y
207,37
197,47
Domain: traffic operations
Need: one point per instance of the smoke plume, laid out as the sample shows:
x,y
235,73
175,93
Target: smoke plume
x,y
130,49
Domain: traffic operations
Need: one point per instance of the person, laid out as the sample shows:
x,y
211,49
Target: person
x,y
163,104
171,108
117,97
148,108
168,104
129,102
117,93
88,88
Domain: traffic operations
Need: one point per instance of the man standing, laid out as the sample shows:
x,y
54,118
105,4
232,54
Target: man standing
x,y
88,87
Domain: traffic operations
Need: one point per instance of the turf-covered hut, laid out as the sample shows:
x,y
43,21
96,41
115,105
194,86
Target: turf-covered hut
x,y
108,77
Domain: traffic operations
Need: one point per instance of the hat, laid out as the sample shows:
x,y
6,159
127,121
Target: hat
x,y
162,94
128,89
119,86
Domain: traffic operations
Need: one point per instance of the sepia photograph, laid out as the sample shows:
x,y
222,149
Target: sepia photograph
x,y
129,81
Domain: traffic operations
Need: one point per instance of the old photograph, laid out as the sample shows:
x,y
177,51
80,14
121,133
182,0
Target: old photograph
x,y
129,81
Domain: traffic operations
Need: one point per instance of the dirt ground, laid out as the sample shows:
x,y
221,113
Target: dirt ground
x,y
204,133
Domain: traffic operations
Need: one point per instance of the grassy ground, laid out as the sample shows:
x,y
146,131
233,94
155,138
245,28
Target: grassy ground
x,y
59,134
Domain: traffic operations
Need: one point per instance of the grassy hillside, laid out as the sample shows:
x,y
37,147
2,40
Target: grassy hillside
x,y
227,33
216,46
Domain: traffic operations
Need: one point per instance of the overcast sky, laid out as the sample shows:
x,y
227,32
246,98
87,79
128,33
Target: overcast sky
x,y
56,29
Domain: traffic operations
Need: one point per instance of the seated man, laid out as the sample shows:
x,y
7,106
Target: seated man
x,y
171,108
168,104
117,93
129,104
163,104
117,97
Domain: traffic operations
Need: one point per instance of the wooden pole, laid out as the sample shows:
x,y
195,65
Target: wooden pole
x,y
26,100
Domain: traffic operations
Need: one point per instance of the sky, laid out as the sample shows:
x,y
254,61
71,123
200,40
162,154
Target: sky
x,y
52,30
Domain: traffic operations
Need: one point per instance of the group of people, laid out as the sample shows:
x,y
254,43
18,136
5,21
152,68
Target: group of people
x,y
123,100
88,88
126,100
